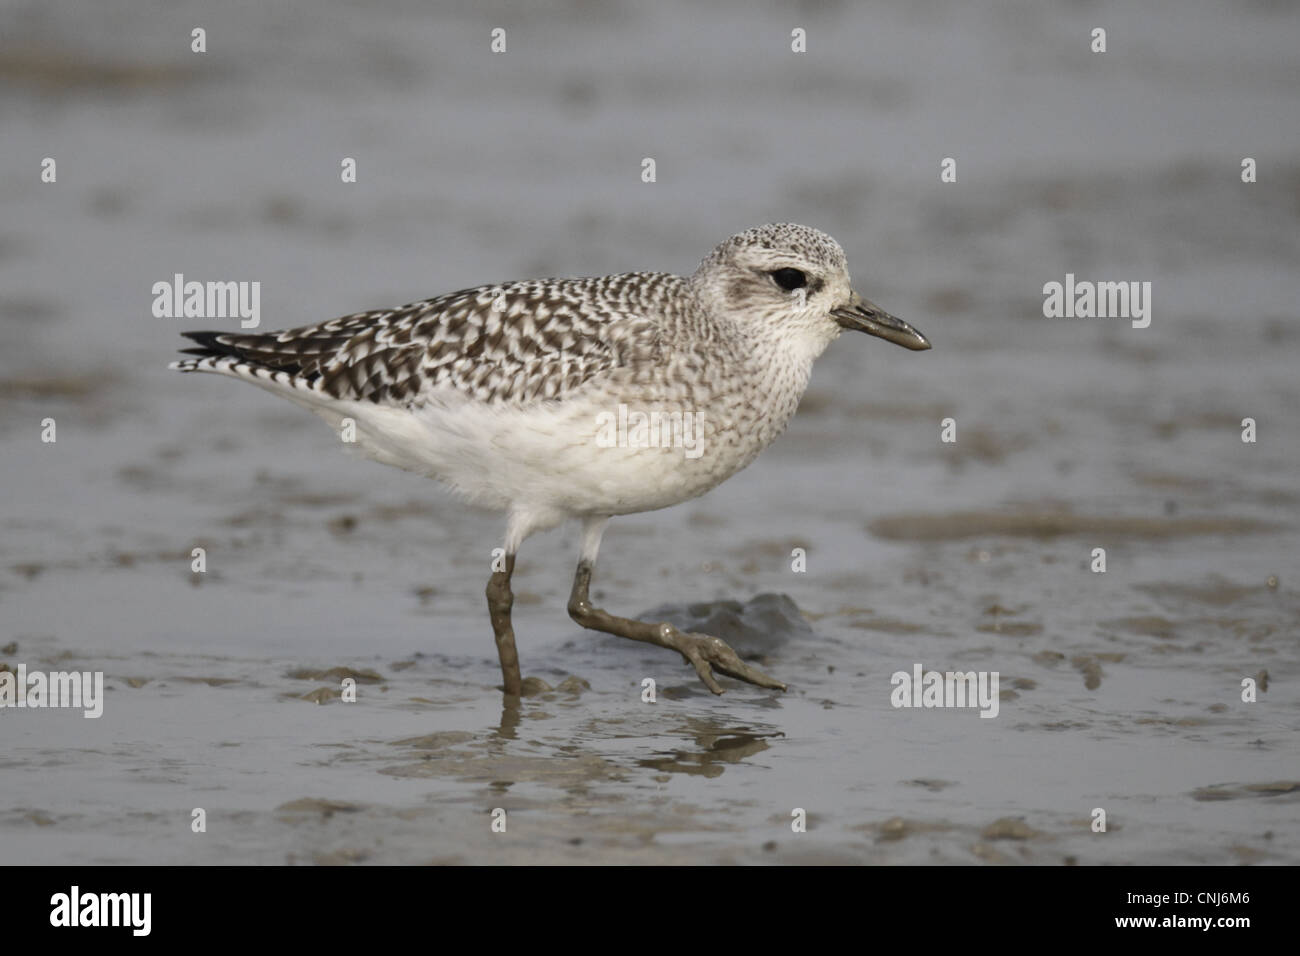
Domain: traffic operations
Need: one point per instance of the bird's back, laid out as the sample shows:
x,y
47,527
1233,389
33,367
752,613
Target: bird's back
x,y
515,343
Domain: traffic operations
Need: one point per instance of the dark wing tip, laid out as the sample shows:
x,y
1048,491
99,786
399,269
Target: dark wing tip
x,y
210,347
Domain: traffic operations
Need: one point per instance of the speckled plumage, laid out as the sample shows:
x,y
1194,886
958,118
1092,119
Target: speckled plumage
x,y
515,344
504,392
548,356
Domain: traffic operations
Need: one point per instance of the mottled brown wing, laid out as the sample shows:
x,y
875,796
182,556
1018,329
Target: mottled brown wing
x,y
516,343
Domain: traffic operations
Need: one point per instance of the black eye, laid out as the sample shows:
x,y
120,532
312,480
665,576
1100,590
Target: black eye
x,y
789,279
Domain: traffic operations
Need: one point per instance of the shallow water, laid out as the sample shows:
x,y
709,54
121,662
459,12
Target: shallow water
x,y
1119,690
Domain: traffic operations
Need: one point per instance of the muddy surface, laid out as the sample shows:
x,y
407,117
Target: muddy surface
x,y
858,546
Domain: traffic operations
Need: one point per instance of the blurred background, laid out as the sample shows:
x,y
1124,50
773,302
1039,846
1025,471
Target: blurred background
x,y
1120,690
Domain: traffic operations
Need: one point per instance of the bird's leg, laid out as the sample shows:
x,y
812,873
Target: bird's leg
x,y
705,653
500,599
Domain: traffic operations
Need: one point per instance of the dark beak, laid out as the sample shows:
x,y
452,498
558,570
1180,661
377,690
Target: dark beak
x,y
864,316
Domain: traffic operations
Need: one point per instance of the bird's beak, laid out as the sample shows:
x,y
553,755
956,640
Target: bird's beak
x,y
864,316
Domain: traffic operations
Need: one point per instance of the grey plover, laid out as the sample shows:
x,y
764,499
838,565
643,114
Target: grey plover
x,y
551,399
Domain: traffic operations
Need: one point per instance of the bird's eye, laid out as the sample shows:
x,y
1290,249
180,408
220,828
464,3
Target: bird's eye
x,y
789,279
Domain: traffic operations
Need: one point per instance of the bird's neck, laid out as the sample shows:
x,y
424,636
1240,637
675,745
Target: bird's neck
x,y
782,365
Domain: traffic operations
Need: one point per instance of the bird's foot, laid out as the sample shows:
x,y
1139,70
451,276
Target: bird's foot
x,y
707,654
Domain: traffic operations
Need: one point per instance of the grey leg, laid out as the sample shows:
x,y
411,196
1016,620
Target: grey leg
x,y
703,652
500,600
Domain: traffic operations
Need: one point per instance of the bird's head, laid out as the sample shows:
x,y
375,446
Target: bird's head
x,y
794,280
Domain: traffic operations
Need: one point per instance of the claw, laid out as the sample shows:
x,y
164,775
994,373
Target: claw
x,y
707,653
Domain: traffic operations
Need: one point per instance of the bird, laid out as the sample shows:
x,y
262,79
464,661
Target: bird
x,y
582,399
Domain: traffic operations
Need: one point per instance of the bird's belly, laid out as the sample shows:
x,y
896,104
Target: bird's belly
x,y
575,460
591,457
